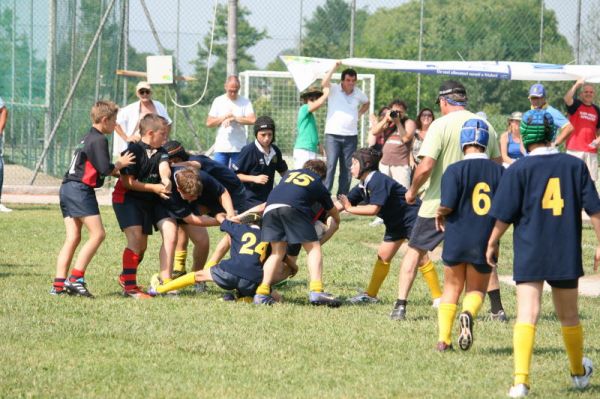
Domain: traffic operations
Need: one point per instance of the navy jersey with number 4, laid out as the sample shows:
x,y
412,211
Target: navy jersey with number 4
x,y
301,189
542,195
247,251
382,190
468,187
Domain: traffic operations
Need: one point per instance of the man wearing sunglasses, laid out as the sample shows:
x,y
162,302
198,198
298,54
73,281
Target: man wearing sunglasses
x,y
129,117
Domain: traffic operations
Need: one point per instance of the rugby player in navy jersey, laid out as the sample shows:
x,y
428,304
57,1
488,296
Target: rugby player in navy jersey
x,y
225,176
242,272
258,162
288,219
542,196
379,195
467,190
78,203
135,198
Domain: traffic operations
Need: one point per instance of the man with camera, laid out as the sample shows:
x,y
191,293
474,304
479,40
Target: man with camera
x,y
398,132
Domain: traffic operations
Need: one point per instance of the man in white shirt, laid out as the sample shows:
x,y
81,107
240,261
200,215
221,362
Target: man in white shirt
x,y
345,105
129,117
230,112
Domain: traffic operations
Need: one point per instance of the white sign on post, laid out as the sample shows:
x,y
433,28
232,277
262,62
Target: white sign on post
x,y
159,69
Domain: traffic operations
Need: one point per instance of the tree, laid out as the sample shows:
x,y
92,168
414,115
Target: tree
x,y
247,36
504,31
328,30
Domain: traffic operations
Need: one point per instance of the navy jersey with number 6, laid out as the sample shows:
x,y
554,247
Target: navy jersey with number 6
x,y
468,187
543,195
300,189
247,251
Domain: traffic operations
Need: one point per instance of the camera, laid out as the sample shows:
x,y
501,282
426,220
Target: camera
x,y
394,114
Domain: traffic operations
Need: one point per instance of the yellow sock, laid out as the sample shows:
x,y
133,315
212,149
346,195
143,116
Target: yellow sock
x,y
184,281
573,338
264,289
472,303
209,264
446,315
179,261
167,280
316,286
523,338
380,272
245,299
431,278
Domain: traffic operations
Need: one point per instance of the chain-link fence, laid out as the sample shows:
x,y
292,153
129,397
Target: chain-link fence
x,y
46,54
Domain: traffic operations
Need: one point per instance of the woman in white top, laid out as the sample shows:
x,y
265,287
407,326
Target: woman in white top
x,y
129,117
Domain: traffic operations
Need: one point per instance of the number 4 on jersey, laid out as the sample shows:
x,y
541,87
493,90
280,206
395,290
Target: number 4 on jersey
x,y
552,198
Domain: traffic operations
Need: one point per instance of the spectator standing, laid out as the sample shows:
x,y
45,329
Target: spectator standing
x,y
229,113
345,105
584,115
3,119
511,147
129,117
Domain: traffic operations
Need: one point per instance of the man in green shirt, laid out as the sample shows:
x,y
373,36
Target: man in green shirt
x,y
440,149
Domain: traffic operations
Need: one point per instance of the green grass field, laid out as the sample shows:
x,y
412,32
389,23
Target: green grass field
x,y
197,346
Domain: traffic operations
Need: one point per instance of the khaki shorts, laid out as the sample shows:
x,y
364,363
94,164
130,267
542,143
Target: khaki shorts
x,y
590,159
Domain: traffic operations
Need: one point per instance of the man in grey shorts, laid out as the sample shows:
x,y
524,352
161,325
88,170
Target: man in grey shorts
x,y
440,149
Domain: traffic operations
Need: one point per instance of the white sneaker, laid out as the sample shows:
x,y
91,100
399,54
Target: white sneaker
x,y
436,303
376,222
518,391
582,381
5,209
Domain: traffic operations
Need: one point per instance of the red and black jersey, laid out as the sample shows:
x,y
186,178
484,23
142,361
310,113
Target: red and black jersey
x,y
145,170
91,161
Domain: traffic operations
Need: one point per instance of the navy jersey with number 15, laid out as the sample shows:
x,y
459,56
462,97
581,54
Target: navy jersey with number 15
x,y
542,195
300,189
467,188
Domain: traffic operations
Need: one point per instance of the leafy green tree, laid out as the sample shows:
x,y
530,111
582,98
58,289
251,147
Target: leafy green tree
x,y
504,31
328,30
247,36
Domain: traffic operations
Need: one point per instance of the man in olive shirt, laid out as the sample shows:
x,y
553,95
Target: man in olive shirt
x,y
440,149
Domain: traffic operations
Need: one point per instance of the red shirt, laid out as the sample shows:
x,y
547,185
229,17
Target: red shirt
x,y
585,120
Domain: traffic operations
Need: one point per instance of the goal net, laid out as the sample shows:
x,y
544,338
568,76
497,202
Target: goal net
x,y
275,94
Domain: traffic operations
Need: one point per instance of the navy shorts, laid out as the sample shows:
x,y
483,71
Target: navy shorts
x,y
135,212
395,233
424,235
289,225
567,284
77,200
480,267
228,281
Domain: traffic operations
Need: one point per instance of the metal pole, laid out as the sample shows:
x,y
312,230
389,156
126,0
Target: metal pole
x,y
49,85
578,30
177,52
13,67
99,61
420,54
126,46
300,29
352,22
541,30
73,87
232,38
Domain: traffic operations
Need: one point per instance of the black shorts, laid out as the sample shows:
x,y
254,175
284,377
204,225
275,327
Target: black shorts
x,y
480,267
228,281
77,200
135,212
424,235
395,233
289,225
566,284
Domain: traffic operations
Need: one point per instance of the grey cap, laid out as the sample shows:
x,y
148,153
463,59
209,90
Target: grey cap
x,y
516,116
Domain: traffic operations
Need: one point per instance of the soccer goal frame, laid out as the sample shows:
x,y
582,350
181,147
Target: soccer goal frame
x,y
275,94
